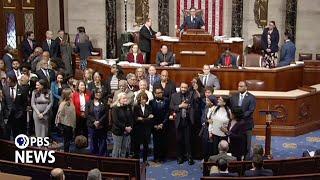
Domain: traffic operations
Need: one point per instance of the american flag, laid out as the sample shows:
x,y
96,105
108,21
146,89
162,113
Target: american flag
x,y
212,13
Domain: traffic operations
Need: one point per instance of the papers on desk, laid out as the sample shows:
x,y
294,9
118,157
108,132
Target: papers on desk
x,y
194,52
128,44
227,40
168,38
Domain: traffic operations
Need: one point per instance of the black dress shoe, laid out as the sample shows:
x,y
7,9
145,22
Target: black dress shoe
x,y
180,161
190,161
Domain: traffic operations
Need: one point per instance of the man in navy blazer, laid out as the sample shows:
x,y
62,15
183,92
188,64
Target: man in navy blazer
x,y
8,57
28,45
152,77
288,51
50,45
258,170
192,21
247,102
145,35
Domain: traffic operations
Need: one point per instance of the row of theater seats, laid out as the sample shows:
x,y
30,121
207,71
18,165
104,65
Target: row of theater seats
x,y
283,167
307,56
43,172
83,162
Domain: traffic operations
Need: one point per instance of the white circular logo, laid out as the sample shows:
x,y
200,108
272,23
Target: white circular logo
x,y
21,141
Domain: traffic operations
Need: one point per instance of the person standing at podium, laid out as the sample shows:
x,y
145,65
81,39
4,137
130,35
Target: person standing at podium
x,y
192,21
165,58
145,35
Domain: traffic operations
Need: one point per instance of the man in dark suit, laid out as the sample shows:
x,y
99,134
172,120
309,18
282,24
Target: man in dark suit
x,y
165,58
145,35
288,51
8,57
168,85
223,169
45,73
182,105
58,42
247,102
50,45
3,115
15,69
258,170
28,45
160,110
152,77
16,98
223,153
227,59
192,21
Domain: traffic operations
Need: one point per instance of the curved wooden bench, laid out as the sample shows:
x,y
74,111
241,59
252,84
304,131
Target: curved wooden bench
x,y
43,172
286,177
305,165
83,162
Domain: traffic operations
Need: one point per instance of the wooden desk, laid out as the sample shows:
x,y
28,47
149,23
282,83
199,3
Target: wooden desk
x,y
278,79
299,111
14,177
213,49
311,72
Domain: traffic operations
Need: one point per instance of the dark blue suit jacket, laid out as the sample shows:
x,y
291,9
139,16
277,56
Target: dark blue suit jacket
x,y
26,49
248,107
53,48
197,23
156,79
288,52
260,172
8,62
274,40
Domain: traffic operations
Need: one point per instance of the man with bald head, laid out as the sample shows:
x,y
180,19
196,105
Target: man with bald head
x,y
223,150
50,45
57,174
247,102
152,77
182,104
168,85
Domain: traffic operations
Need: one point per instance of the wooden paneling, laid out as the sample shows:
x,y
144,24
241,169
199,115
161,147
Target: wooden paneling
x,y
213,49
41,23
283,79
311,72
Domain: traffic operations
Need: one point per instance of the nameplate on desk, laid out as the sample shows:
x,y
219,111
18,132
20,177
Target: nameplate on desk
x,y
194,52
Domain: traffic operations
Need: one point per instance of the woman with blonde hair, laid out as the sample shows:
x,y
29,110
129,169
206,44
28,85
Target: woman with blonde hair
x,y
66,117
122,118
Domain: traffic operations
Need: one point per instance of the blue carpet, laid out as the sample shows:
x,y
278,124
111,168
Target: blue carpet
x,y
282,148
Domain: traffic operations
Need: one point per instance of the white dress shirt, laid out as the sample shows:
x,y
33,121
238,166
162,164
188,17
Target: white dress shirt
x,y
142,108
82,102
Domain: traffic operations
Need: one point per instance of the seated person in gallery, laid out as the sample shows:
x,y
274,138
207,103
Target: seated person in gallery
x,y
192,21
165,58
227,59
135,55
288,51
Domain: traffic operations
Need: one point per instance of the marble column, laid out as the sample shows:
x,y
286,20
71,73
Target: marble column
x,y
291,17
111,29
237,18
163,16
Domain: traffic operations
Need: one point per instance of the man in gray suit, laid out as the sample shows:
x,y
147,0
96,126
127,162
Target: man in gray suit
x,y
223,150
165,58
209,79
288,51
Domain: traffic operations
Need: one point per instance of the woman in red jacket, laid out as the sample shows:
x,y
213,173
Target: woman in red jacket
x,y
81,99
135,56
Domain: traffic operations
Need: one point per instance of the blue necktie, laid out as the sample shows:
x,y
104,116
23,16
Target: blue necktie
x,y
240,100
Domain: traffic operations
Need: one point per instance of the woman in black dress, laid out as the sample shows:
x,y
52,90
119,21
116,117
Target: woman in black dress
x,y
142,126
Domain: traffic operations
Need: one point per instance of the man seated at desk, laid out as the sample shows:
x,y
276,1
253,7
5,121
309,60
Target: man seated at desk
x,y
227,59
192,21
165,58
